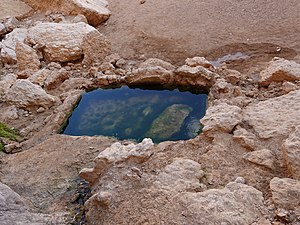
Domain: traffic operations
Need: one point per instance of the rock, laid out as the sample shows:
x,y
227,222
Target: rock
x,y
150,75
95,47
14,210
240,180
153,62
40,110
216,206
287,87
61,41
280,70
10,113
95,11
101,199
54,65
245,138
39,77
263,157
181,175
56,78
51,181
25,94
27,57
6,82
291,153
120,63
221,117
195,76
2,29
8,52
117,153
11,23
199,61
221,89
75,83
232,76
168,122
285,193
79,18
275,117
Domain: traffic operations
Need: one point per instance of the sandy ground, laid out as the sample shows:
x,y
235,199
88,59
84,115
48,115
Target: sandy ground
x,y
176,29
13,8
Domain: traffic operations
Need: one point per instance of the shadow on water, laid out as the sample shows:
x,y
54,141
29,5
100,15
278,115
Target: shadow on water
x,y
139,112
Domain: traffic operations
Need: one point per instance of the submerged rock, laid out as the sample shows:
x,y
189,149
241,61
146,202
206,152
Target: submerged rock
x,y
169,122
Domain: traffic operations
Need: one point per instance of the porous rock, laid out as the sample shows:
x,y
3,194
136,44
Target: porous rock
x,y
291,153
245,138
152,62
27,57
95,47
269,118
199,61
216,206
117,153
60,41
222,117
6,82
150,75
56,78
195,76
181,175
25,94
2,29
8,49
285,192
14,210
280,70
264,157
95,11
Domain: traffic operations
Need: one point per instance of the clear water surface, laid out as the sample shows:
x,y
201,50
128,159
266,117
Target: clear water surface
x,y
127,113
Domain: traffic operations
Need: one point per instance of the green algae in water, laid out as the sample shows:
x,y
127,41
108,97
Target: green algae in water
x,y
127,113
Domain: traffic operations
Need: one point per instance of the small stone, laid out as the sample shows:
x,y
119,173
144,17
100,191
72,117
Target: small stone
x,y
287,87
2,29
282,214
40,110
11,23
240,180
120,63
54,65
199,61
79,18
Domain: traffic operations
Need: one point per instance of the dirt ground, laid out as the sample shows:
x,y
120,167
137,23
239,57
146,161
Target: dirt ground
x,y
13,8
176,29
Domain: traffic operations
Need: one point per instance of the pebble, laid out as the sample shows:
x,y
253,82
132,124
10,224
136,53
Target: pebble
x,y
40,110
240,180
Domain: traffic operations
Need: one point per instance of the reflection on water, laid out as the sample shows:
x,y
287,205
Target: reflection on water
x,y
127,113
